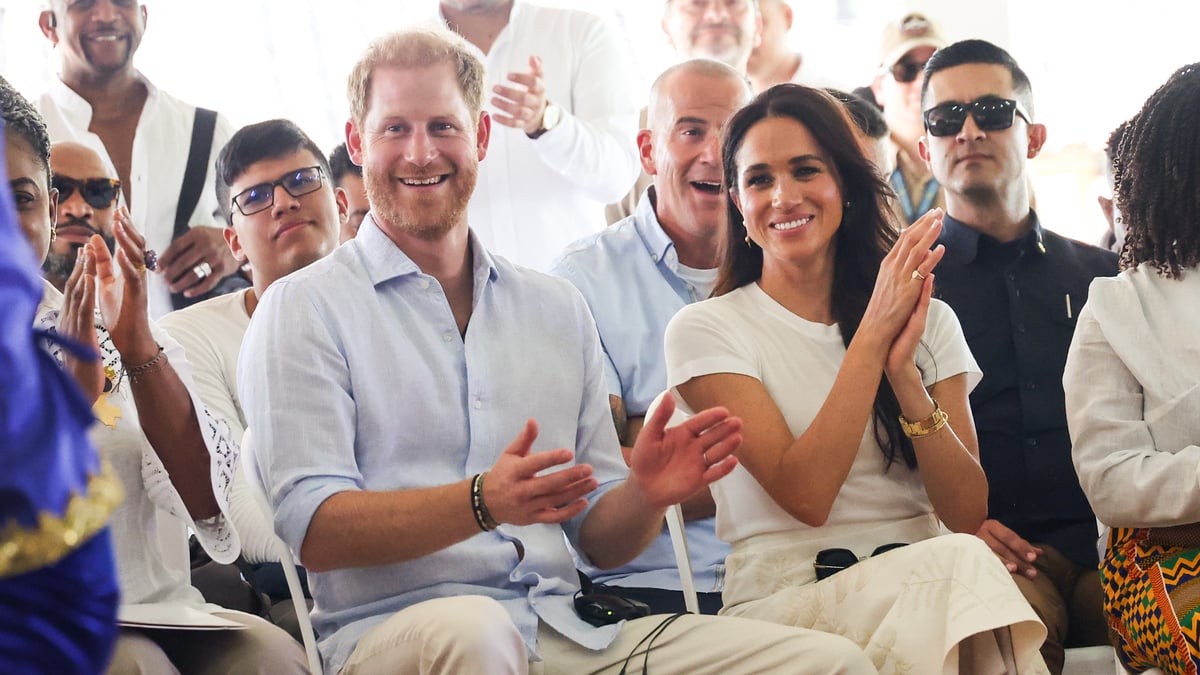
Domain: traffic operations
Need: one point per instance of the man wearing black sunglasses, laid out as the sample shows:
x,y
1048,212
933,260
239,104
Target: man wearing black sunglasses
x,y
907,45
1017,289
87,203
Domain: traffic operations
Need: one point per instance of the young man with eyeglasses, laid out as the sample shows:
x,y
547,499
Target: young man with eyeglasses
x,y
283,213
1017,289
907,44
88,193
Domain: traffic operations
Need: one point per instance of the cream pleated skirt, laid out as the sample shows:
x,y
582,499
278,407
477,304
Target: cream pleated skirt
x,y
943,604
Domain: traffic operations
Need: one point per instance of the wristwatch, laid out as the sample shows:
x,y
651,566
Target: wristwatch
x,y
551,116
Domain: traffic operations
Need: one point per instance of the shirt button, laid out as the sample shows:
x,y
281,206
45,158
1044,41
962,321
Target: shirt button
x,y
654,257
448,336
1031,442
423,283
1012,277
477,404
1031,386
1020,328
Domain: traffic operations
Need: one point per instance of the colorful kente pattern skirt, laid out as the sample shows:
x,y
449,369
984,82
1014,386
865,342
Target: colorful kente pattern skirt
x,y
1151,579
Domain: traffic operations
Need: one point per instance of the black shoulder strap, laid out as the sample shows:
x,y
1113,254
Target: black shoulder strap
x,y
203,128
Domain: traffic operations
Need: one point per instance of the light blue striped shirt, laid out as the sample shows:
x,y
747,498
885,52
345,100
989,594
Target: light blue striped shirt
x,y
629,276
353,376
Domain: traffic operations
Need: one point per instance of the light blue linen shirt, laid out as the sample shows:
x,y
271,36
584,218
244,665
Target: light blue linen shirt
x,y
629,276
353,376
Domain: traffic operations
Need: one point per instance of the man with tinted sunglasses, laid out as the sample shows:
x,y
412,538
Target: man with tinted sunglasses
x,y
1017,289
907,45
87,202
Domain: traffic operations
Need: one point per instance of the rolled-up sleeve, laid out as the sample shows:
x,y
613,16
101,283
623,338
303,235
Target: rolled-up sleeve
x,y
294,383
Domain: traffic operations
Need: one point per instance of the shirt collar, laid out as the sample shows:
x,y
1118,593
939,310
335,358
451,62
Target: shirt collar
x,y
77,107
384,261
645,220
962,240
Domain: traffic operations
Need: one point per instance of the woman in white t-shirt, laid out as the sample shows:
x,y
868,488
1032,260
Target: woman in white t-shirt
x,y
852,386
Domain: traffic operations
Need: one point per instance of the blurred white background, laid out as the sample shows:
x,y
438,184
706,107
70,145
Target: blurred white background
x,y
1092,64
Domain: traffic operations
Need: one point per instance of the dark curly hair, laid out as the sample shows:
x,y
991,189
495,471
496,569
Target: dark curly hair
x,y
23,120
1158,178
863,239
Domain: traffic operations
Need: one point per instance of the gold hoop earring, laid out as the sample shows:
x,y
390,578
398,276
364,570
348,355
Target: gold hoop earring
x,y
53,233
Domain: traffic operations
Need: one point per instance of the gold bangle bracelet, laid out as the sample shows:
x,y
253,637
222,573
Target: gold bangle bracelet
x,y
926,427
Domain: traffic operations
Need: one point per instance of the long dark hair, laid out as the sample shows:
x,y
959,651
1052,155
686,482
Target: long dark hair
x,y
1157,178
863,239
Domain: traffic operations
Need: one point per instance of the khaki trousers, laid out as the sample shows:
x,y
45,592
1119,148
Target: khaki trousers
x,y
473,634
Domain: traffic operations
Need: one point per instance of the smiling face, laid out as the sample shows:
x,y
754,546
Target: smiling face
x,y
294,231
789,194
975,165
97,37
420,148
682,151
725,30
34,200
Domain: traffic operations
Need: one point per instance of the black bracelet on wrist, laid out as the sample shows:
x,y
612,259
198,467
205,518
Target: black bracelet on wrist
x,y
482,516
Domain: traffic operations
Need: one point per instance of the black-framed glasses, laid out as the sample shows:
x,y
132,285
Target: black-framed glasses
x,y
830,561
991,113
99,193
297,183
906,71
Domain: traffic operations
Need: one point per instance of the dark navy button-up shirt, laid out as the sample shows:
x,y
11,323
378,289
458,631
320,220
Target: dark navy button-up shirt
x,y
1018,302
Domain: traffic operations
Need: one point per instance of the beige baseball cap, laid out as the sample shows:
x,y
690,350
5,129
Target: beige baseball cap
x,y
912,31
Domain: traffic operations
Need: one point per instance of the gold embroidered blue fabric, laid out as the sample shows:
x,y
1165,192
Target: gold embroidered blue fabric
x,y
26,549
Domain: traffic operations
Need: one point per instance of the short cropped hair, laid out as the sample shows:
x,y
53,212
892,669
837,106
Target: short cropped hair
x,y
24,121
979,51
418,48
704,67
255,143
340,165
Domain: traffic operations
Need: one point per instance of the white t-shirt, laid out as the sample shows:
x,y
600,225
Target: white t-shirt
x,y
746,332
704,281
211,334
160,152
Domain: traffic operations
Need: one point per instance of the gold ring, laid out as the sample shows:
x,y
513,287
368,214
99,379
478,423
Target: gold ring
x,y
141,270
917,275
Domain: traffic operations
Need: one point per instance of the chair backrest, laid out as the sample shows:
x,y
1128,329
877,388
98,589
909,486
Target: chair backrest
x,y
259,495
683,561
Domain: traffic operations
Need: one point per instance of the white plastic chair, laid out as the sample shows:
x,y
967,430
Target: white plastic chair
x,y
675,527
682,560
286,559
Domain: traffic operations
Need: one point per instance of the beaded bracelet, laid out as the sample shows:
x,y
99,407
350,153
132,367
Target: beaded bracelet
x,y
928,426
483,517
148,368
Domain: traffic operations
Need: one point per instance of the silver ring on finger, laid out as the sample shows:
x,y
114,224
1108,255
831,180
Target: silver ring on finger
x,y
704,454
202,270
